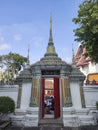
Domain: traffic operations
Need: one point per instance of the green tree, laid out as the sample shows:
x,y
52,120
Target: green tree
x,y
7,105
87,32
12,62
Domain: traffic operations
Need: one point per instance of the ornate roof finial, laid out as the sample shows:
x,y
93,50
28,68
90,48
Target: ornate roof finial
x,y
28,62
73,61
50,37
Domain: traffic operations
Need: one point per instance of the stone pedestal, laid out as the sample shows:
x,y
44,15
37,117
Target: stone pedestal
x,y
28,117
78,117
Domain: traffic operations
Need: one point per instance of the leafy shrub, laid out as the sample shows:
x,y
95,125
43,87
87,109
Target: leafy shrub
x,y
7,105
97,104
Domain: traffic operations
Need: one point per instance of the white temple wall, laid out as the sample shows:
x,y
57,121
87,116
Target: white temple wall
x,y
26,94
85,70
90,68
75,94
90,95
97,67
10,91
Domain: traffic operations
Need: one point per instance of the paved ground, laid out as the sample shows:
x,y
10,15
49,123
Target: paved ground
x,y
52,128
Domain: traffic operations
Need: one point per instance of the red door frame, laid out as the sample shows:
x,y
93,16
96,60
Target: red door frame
x,y
43,88
56,97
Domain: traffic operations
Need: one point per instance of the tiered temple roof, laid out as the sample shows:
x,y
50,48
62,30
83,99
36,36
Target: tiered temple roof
x,y
50,61
50,57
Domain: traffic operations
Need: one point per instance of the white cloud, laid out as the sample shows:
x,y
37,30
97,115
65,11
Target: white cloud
x,y
37,41
4,46
18,37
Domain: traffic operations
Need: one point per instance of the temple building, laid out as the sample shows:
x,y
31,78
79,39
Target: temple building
x,y
50,92
86,65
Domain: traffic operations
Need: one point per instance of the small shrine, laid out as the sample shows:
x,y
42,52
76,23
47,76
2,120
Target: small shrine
x,y
50,92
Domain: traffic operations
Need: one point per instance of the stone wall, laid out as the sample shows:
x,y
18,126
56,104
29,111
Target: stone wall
x,y
10,91
90,95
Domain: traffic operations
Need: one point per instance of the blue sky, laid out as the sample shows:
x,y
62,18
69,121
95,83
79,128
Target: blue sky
x,y
24,22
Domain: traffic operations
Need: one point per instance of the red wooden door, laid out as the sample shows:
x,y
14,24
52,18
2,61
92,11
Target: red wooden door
x,y
43,88
56,98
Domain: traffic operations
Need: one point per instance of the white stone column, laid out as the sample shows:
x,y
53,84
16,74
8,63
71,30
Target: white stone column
x,y
76,78
26,94
75,94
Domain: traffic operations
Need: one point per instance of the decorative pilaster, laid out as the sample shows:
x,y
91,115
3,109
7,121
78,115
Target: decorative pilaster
x,y
19,82
24,81
34,101
76,77
19,96
66,96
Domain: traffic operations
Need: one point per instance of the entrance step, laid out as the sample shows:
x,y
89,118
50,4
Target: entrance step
x,y
51,128
51,123
58,128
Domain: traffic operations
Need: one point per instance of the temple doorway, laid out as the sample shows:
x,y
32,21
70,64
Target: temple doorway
x,y
50,98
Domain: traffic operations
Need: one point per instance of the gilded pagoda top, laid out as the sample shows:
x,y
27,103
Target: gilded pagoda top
x,y
50,57
50,63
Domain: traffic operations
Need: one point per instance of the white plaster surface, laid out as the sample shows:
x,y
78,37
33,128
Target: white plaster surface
x,y
75,94
90,68
84,70
26,94
90,95
10,91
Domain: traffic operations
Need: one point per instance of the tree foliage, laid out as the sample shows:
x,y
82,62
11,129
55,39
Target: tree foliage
x,y
7,105
87,32
12,62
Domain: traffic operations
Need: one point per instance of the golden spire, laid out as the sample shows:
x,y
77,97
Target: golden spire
x,y
50,37
50,48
